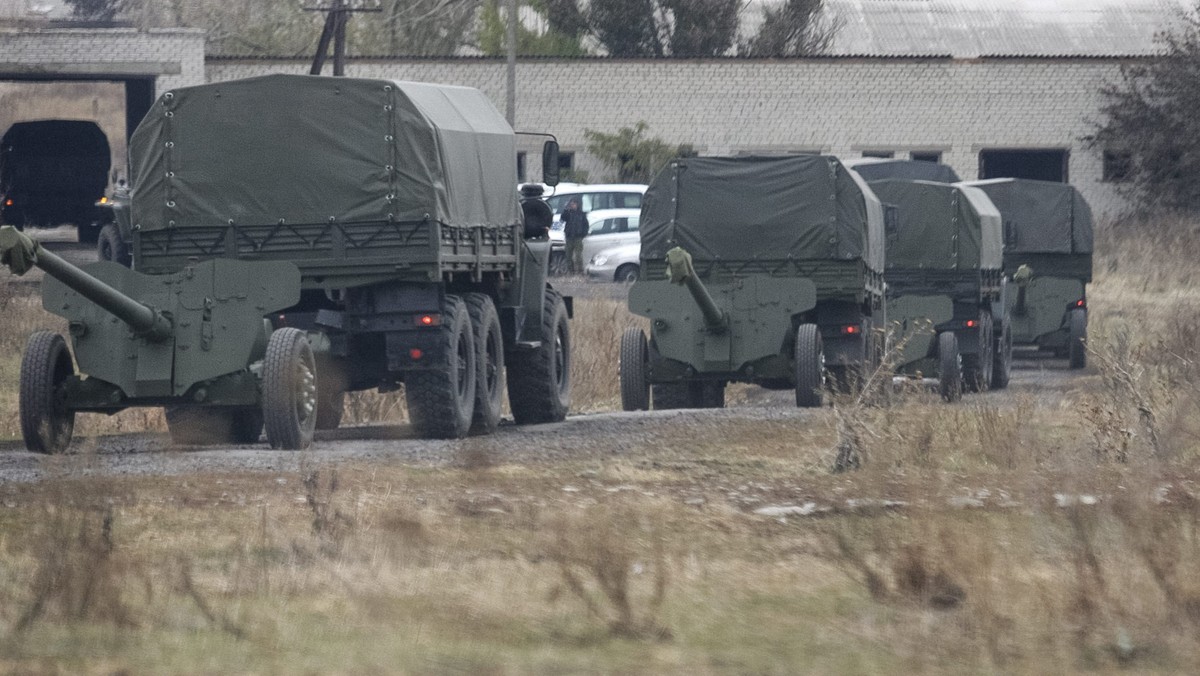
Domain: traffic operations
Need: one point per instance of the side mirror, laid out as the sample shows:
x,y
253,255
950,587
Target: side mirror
x,y
891,220
550,163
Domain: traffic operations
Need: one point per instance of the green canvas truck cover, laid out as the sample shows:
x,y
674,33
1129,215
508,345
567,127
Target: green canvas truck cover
x,y
880,168
1043,217
941,226
804,207
307,149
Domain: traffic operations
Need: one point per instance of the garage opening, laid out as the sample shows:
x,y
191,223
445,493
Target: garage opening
x,y
52,172
1041,165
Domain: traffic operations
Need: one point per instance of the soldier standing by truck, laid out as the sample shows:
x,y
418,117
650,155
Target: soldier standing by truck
x,y
575,228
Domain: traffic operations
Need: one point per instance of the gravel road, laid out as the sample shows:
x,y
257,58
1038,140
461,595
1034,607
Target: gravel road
x,y
578,438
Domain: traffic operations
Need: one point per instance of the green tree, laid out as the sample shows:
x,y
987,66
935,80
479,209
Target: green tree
x,y
553,42
634,156
792,28
94,10
1150,133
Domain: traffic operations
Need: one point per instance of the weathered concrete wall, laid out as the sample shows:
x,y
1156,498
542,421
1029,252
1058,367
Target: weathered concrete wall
x,y
842,106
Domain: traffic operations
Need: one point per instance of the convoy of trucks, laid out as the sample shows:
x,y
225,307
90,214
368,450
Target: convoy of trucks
x,y
288,239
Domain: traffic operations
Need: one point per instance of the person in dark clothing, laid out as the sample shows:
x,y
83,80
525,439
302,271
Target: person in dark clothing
x,y
575,228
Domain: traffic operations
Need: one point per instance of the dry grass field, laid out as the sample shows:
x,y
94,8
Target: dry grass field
x,y
1051,529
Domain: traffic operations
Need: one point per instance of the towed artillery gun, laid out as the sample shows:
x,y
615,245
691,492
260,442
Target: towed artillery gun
x,y
945,285
299,237
1048,252
774,289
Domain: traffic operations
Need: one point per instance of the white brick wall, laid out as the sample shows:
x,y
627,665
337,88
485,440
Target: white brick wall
x,y
176,54
842,106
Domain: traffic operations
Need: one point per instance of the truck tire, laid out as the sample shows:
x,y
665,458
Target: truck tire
x,y
489,363
977,368
634,368
1002,350
441,400
110,246
950,372
46,423
1077,338
809,366
712,394
668,396
331,392
194,425
289,390
539,380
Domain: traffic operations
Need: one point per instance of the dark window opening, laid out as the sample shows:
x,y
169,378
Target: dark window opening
x,y
926,156
1118,166
884,154
566,161
521,175
1039,165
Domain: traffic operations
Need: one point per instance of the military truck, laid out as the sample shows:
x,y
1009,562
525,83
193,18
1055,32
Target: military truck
x,y
880,168
52,172
766,270
945,285
298,237
115,240
1048,253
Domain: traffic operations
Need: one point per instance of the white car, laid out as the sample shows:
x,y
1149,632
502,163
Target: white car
x,y
606,228
593,197
618,264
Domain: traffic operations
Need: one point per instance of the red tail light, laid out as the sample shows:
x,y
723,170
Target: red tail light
x,y
8,202
428,320
415,353
850,330
971,323
1079,303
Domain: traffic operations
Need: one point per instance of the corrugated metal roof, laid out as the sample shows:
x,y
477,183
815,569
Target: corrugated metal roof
x,y
979,28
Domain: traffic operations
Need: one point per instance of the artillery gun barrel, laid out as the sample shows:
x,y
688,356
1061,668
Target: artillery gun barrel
x,y
20,252
681,271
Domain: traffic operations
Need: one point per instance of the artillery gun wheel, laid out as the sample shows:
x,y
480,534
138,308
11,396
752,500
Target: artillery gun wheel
x,y
950,371
978,367
675,395
110,246
635,363
46,423
1077,339
539,381
489,363
809,366
289,390
1002,368
441,400
194,425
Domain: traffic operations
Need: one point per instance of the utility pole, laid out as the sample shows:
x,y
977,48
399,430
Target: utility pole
x,y
510,102
335,30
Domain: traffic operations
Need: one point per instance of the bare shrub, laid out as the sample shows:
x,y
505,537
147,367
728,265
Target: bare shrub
x,y
598,556
596,349
330,525
79,574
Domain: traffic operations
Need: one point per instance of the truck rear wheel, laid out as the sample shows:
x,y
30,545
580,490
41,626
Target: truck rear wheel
x,y
809,366
110,246
46,423
950,372
539,380
289,390
668,396
191,425
1077,339
712,394
1002,350
977,368
489,362
441,400
635,364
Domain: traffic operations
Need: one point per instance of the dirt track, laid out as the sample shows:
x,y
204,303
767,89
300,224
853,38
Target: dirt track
x,y
578,438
